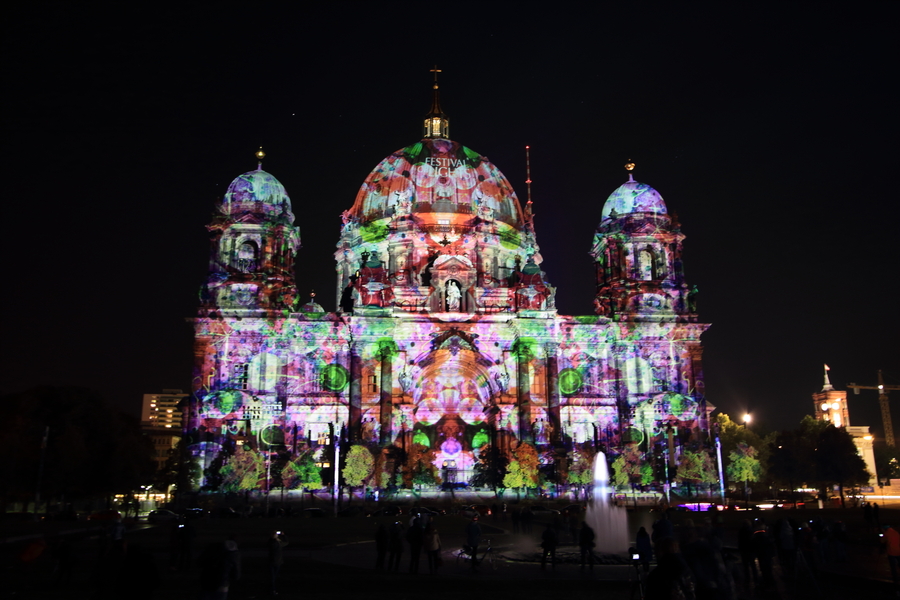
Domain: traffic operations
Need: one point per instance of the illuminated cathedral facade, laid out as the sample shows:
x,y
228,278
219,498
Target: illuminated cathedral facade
x,y
446,332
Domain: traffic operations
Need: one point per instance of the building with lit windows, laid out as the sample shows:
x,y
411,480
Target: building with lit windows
x,y
161,422
445,332
830,405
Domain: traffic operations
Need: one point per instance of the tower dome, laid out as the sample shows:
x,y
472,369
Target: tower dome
x,y
256,192
436,177
633,197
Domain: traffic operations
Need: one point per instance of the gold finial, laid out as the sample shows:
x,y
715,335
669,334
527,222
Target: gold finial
x,y
435,70
629,166
260,154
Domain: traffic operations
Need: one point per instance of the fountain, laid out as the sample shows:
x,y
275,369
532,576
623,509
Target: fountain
x,y
609,522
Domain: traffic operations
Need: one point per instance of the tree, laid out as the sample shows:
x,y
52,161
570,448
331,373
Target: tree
x,y
419,467
887,462
212,475
91,449
242,471
817,453
581,471
527,457
732,434
522,471
490,467
302,473
630,469
183,474
743,464
514,477
695,467
838,461
358,467
791,460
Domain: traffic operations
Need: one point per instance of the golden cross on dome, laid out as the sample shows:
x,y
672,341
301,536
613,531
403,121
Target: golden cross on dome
x,y
435,70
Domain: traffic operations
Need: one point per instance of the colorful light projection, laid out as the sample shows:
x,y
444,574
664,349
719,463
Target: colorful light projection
x,y
437,228
447,337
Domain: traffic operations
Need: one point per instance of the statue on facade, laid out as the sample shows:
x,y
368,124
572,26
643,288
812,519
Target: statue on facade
x,y
454,295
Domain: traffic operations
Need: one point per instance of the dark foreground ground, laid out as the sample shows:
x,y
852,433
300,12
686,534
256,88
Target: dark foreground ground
x,y
334,558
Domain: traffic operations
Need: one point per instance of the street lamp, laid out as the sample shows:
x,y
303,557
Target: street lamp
x,y
747,418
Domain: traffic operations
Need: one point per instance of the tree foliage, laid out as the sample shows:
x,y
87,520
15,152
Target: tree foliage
x,y
358,466
696,467
629,468
743,464
581,471
838,461
887,462
301,473
92,450
817,454
514,477
527,457
183,474
419,468
522,471
733,434
489,468
242,471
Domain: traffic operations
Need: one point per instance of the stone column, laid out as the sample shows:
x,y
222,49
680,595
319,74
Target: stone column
x,y
355,424
553,392
523,393
386,404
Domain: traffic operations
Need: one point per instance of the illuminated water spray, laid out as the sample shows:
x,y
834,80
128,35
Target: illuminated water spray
x,y
609,522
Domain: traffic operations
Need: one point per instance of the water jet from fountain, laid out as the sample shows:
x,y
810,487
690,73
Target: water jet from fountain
x,y
609,522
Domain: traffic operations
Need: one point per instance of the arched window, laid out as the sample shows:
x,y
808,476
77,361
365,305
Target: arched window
x,y
246,257
647,264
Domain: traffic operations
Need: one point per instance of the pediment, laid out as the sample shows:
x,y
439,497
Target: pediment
x,y
452,263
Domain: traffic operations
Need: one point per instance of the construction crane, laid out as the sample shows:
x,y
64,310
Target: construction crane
x,y
883,400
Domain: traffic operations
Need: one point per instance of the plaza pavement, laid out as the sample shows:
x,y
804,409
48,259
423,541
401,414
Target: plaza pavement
x,y
334,558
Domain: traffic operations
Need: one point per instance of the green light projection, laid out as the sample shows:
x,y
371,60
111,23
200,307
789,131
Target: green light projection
x,y
570,381
335,378
421,438
636,435
224,401
373,231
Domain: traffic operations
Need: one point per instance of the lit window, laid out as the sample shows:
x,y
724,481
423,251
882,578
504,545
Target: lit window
x,y
241,376
246,257
647,264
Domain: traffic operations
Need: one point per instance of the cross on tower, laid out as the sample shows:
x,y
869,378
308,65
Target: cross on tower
x,y
435,70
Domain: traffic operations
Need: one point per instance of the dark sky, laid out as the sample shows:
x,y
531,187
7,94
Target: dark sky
x,y
773,135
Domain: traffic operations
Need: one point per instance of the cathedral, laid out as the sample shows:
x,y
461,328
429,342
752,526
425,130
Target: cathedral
x,y
445,332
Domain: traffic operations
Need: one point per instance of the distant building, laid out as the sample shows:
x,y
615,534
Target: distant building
x,y
863,440
161,422
831,405
161,410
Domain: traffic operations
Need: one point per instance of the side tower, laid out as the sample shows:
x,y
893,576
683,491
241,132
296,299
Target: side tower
x,y
243,364
653,367
253,242
637,254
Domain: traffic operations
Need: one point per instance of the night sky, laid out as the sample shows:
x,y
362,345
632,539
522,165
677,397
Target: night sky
x,y
772,134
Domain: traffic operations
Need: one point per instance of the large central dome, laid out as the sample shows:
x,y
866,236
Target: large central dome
x,y
434,177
